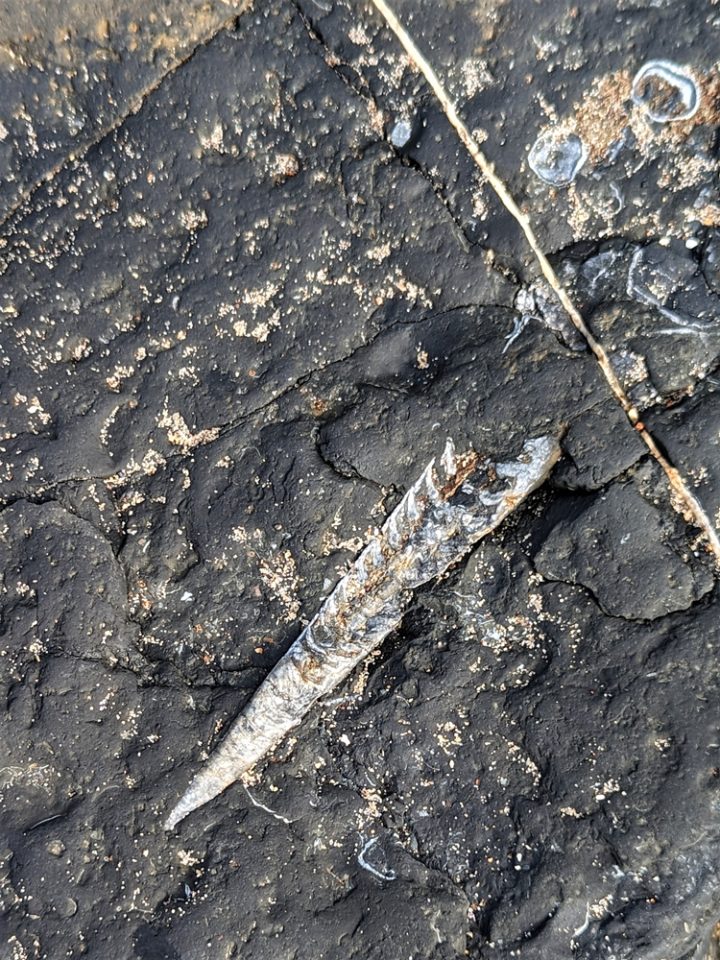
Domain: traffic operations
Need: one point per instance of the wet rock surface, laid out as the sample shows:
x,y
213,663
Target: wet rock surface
x,y
231,334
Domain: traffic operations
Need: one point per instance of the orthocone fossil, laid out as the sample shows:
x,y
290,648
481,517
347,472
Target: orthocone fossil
x,y
445,512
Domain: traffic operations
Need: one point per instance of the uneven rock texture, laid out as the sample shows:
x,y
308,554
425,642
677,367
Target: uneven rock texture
x,y
241,307
70,72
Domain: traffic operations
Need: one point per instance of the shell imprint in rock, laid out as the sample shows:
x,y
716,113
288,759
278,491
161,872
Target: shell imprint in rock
x,y
438,520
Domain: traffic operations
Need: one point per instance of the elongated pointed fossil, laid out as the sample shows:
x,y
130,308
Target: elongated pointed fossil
x,y
438,520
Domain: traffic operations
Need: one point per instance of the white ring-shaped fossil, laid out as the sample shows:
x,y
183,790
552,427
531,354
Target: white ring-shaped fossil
x,y
666,91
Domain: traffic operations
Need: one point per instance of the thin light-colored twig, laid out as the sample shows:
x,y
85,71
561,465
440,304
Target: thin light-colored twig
x,y
690,503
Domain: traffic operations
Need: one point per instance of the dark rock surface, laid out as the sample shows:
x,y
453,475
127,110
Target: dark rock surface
x,y
231,333
70,72
596,540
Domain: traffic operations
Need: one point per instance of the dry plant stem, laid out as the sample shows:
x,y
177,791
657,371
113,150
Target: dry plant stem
x,y
678,484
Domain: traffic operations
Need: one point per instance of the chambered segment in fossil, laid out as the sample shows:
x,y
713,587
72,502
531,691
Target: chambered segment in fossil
x,y
441,516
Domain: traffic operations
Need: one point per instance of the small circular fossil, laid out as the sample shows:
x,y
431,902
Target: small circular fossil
x,y
666,91
556,157
402,133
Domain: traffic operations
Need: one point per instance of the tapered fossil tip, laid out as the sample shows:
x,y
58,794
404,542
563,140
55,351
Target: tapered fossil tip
x,y
172,821
221,771
178,813
208,784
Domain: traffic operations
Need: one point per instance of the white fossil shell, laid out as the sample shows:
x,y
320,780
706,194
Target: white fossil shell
x,y
557,157
666,91
437,521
